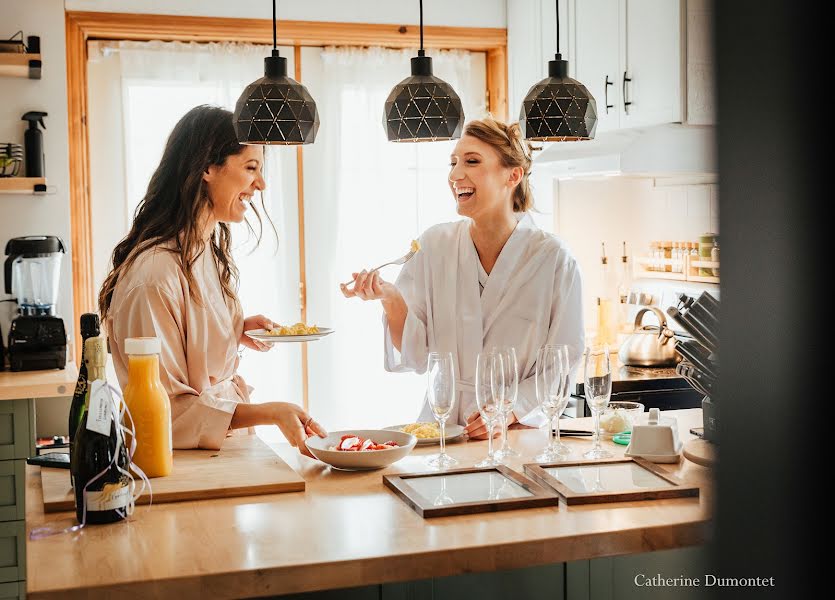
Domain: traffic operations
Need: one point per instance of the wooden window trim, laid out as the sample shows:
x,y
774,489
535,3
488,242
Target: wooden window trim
x,y
84,26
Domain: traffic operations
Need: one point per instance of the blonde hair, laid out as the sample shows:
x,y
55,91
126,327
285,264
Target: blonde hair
x,y
513,151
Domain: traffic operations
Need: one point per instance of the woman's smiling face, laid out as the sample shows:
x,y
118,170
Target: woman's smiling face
x,y
232,185
479,182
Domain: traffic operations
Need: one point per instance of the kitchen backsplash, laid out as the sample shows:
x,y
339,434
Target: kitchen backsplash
x,y
634,210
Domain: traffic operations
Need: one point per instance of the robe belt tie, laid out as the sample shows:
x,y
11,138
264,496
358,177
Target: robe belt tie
x,y
464,385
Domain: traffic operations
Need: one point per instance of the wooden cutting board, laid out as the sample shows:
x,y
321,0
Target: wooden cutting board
x,y
245,466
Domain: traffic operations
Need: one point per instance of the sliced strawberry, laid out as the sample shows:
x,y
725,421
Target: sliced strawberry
x,y
349,442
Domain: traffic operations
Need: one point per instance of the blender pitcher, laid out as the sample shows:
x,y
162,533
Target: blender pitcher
x,y
33,271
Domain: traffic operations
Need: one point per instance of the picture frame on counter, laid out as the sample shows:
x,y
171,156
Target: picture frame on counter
x,y
614,480
469,491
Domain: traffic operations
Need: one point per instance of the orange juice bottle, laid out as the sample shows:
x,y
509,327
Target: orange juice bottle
x,y
150,408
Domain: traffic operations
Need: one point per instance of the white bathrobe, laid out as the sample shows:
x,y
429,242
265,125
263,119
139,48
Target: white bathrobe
x,y
532,297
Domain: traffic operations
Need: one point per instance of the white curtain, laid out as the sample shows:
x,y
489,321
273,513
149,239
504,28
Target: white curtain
x,y
365,200
152,85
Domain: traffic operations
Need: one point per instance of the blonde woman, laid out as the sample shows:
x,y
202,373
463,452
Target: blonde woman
x,y
491,279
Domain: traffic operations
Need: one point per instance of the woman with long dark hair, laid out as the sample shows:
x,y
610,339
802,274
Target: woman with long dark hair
x,y
174,278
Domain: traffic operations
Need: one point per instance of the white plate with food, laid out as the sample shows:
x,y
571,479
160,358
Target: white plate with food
x,y
429,433
292,333
361,449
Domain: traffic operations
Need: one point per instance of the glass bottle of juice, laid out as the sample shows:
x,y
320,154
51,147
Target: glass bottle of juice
x,y
149,407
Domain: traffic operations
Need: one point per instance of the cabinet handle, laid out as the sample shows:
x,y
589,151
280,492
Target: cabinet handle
x,y
626,102
606,87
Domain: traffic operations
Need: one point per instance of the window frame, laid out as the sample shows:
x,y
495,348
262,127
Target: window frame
x,y
82,26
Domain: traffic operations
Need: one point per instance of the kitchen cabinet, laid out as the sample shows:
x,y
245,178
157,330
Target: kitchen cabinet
x,y
531,43
597,62
701,93
18,391
629,53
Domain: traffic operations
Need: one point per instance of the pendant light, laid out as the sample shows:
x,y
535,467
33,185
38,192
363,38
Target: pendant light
x,y
423,108
558,108
276,109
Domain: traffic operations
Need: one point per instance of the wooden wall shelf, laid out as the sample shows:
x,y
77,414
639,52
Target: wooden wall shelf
x,y
20,65
22,185
690,269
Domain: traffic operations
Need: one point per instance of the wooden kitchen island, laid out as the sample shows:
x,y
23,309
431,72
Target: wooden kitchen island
x,y
348,531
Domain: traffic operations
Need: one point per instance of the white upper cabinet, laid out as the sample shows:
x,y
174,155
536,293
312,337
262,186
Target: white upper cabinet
x,y
597,57
701,109
628,53
531,43
652,62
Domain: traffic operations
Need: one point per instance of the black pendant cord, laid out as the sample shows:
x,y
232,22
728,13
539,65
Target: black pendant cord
x,y
275,38
421,52
558,29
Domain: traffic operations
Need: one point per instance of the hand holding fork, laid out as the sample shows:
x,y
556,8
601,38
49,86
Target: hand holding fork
x,y
362,278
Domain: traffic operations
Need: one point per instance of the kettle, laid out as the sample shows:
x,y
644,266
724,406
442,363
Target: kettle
x,y
649,345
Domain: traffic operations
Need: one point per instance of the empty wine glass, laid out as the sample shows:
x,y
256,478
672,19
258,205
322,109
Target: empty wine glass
x,y
598,384
443,498
440,374
551,378
489,391
511,390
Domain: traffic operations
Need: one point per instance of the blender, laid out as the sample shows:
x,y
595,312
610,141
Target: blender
x,y
37,337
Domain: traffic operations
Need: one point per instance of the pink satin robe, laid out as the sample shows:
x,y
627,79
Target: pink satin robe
x,y
199,335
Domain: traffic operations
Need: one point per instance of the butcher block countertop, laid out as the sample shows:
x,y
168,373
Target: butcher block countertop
x,y
346,529
38,384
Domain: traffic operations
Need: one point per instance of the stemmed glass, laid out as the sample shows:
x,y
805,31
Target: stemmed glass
x,y
489,392
511,390
442,499
598,382
440,374
551,378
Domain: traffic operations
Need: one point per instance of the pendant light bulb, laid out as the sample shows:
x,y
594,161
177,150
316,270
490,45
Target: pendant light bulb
x,y
276,109
422,108
558,108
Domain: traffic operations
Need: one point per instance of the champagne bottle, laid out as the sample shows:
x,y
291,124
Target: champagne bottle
x,y
93,454
90,327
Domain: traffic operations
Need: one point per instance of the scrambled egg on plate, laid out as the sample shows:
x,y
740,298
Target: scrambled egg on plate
x,y
423,431
297,329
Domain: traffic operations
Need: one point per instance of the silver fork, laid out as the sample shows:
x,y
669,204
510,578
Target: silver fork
x,y
400,261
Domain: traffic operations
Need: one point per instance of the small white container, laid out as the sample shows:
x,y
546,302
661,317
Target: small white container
x,y
657,441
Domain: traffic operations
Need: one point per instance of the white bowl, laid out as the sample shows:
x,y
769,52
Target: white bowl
x,y
629,411
367,459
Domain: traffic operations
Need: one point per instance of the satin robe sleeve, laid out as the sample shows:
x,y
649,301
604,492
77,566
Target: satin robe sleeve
x,y
414,348
565,327
199,420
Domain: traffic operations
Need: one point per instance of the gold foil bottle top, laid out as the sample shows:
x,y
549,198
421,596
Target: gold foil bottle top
x,y
95,353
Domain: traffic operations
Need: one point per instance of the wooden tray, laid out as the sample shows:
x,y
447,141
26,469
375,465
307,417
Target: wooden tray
x,y
245,466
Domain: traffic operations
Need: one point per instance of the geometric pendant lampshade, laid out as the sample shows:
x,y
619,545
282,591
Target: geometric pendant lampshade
x,y
558,108
276,109
422,108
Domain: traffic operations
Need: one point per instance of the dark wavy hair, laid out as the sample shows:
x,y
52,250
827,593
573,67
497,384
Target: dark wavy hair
x,y
177,199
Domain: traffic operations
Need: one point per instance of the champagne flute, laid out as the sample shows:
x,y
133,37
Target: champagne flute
x,y
511,390
551,378
598,382
440,374
489,390
443,498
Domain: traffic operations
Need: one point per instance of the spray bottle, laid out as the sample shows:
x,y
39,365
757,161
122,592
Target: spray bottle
x,y
33,141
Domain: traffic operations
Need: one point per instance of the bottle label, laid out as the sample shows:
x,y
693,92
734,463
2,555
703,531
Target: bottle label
x,y
113,495
100,410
